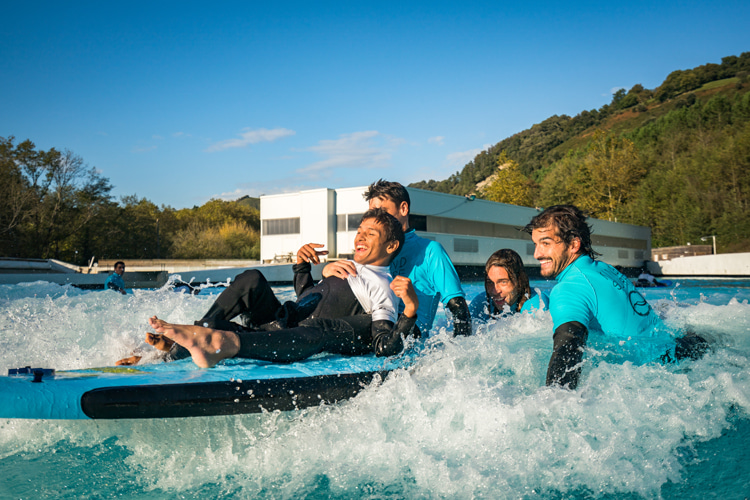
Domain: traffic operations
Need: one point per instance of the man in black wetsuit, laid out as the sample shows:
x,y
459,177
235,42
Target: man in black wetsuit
x,y
350,317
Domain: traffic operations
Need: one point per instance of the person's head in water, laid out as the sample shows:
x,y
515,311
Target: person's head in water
x,y
505,280
379,238
120,267
561,235
392,197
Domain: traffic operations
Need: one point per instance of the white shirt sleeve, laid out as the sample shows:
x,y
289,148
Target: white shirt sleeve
x,y
372,287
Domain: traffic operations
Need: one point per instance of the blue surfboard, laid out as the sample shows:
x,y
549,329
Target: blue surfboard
x,y
180,389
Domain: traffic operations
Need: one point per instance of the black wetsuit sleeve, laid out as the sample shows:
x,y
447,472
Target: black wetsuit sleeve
x,y
302,277
461,316
565,364
387,337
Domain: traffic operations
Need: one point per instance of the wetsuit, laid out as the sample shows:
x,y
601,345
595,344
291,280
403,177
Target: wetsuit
x,y
593,298
482,308
351,317
434,278
114,282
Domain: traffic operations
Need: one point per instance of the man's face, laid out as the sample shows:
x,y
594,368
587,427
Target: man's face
x,y
552,252
120,269
401,213
499,287
370,246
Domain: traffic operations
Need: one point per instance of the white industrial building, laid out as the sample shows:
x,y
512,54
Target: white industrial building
x,y
469,229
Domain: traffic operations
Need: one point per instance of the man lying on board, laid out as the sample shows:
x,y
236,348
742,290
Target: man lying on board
x,y
351,317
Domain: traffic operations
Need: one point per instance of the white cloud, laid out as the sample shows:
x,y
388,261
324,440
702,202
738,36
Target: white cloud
x,y
144,149
367,149
461,158
257,189
438,139
251,137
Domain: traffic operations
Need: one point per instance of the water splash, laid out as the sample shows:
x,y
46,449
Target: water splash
x,y
471,418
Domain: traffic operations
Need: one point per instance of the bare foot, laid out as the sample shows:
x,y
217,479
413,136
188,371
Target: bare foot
x,y
159,341
132,360
206,345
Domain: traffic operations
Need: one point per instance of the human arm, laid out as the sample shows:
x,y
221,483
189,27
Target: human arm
x,y
461,317
387,337
444,280
116,283
340,269
404,290
565,363
306,256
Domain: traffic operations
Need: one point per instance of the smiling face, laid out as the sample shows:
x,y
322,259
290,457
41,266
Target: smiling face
x,y
401,213
552,252
370,247
499,287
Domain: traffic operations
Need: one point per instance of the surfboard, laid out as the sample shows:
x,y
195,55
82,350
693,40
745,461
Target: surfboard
x,y
180,389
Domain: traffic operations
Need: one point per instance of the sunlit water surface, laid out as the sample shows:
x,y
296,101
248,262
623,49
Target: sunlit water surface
x,y
471,418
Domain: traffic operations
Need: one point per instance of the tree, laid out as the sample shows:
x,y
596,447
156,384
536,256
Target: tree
x,y
509,184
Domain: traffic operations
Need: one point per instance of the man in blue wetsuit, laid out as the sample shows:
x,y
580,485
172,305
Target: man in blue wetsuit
x,y
424,262
592,297
506,284
114,281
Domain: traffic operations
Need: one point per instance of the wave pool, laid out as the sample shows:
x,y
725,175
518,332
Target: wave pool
x,y
470,419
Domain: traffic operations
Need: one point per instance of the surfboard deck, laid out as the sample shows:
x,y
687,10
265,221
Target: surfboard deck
x,y
180,389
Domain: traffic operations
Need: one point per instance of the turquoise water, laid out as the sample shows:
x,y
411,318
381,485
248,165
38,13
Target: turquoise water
x,y
470,419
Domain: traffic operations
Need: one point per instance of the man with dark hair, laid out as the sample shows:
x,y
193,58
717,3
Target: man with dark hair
x,y
505,284
114,281
592,297
349,317
424,262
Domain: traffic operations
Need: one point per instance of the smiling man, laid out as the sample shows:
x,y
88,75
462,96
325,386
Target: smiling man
x,y
351,317
423,264
506,284
592,300
589,297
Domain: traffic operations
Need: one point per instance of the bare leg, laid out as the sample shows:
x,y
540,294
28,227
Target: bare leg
x,y
160,342
207,346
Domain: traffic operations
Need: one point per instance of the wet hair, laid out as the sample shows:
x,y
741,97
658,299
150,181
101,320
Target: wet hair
x,y
569,222
391,225
119,263
513,265
389,190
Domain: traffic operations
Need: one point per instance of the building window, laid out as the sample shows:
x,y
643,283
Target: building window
x,y
281,226
348,222
623,254
465,245
352,221
418,222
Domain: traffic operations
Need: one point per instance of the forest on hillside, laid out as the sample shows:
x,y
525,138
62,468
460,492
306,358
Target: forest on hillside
x,y
675,159
53,205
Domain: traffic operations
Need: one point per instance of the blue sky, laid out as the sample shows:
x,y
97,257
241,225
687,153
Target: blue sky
x,y
179,102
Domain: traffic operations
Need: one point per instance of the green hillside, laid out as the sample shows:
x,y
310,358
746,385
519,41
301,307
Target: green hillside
x,y
675,158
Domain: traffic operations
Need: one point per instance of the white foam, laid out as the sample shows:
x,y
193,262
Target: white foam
x,y
471,418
